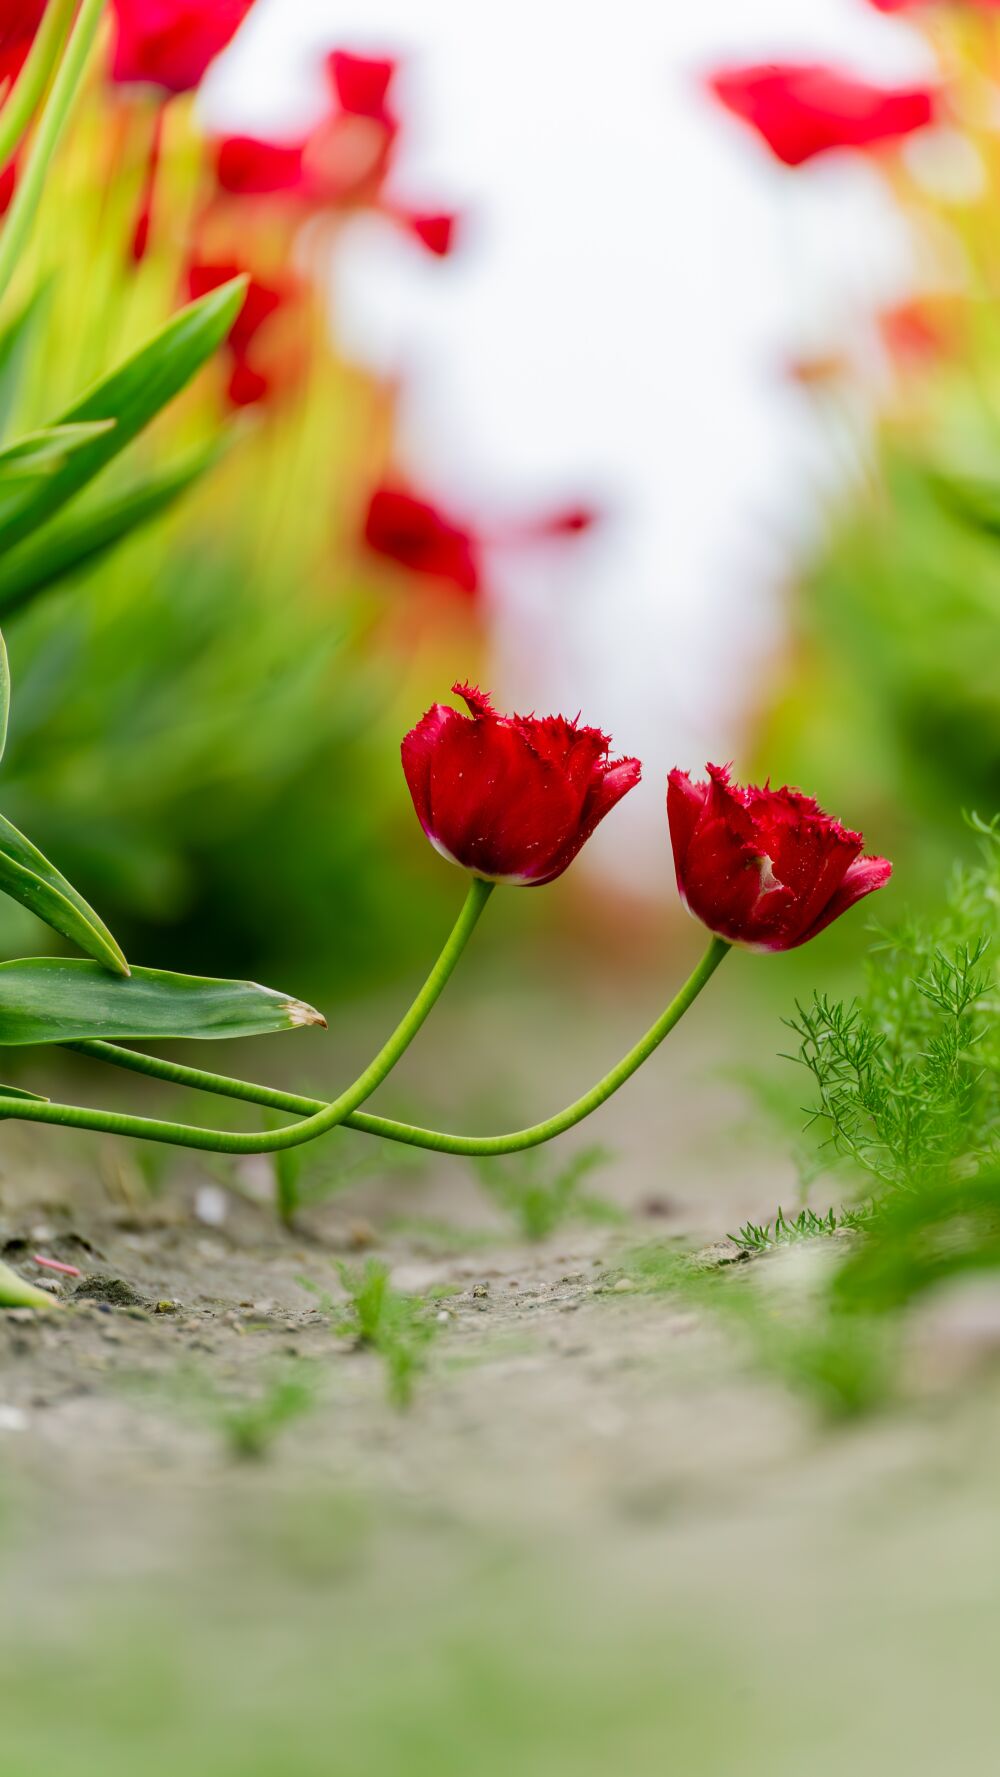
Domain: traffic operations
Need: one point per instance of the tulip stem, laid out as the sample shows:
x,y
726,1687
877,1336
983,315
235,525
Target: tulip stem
x,y
271,1141
440,1141
20,103
53,121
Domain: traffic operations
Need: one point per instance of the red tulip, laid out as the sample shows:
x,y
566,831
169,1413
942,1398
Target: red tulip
x,y
511,798
805,109
250,381
249,167
361,84
343,161
434,230
765,868
418,536
8,181
170,43
922,331
911,5
19,20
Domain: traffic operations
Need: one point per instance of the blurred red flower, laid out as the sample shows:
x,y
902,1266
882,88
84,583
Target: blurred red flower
x,y
922,331
19,20
343,162
434,230
419,537
511,798
170,43
912,5
8,180
765,868
361,83
249,167
254,372
804,109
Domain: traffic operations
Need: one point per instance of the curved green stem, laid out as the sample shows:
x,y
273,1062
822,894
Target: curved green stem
x,y
20,105
224,1141
439,1140
53,121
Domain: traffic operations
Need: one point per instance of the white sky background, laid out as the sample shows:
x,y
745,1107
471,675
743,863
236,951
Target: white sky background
x,y
635,270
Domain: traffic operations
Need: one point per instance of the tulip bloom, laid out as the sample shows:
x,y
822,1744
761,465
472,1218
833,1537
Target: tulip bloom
x,y
419,537
764,868
19,20
913,5
170,43
510,798
805,109
247,166
254,374
361,84
343,161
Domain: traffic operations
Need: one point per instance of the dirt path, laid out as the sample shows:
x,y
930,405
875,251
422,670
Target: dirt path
x,y
596,1541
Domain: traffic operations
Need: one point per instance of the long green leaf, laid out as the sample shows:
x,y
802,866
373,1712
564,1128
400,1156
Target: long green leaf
x,y
19,1092
59,1000
4,695
76,540
27,876
62,95
973,499
15,342
43,452
16,1292
131,396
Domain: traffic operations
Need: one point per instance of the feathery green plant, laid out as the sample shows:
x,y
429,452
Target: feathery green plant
x,y
907,1077
398,1327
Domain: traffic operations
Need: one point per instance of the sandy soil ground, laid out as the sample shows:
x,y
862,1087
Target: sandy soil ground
x,y
597,1539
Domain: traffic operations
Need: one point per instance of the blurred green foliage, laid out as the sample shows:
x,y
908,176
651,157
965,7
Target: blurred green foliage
x,y
206,720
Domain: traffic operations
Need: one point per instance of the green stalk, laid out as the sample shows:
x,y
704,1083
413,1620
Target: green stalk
x,y
20,105
439,1140
53,121
273,1141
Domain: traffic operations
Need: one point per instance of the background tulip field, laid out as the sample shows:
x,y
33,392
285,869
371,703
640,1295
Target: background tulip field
x,y
640,375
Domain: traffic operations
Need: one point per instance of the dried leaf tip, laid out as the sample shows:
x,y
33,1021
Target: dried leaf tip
x,y
300,1013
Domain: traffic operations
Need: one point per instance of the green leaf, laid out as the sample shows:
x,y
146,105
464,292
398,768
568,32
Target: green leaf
x,y
19,1092
16,1292
60,1000
43,452
131,397
4,695
15,342
972,499
68,544
28,877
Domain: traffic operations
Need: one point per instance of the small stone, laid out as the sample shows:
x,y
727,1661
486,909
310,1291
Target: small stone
x,y
480,1289
13,1419
442,1317
211,1206
21,1317
624,1284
